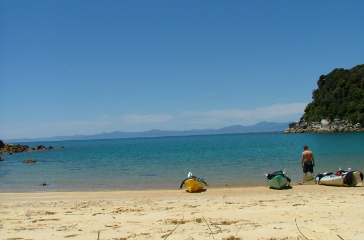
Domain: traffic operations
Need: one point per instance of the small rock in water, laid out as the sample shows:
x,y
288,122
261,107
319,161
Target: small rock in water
x,y
29,161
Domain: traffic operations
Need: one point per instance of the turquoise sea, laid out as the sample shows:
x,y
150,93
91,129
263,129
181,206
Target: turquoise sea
x,y
234,160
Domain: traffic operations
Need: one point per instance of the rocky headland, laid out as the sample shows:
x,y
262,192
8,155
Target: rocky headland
x,y
337,106
324,126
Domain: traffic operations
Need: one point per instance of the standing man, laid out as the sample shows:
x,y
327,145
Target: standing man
x,y
308,162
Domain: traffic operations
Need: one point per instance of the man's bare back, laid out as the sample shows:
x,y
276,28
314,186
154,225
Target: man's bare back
x,y
307,155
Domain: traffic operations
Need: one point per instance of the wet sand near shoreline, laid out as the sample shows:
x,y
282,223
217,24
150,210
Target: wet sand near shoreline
x,y
303,211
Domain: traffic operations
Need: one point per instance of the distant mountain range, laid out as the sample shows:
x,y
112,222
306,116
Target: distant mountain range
x,y
259,127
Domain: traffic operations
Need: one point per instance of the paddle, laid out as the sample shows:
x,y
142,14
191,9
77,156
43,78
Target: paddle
x,y
306,181
183,183
188,177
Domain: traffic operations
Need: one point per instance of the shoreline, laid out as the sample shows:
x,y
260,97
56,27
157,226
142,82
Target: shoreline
x,y
318,211
172,192
217,186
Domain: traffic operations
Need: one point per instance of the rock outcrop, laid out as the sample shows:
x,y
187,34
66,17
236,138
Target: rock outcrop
x,y
29,161
11,148
324,126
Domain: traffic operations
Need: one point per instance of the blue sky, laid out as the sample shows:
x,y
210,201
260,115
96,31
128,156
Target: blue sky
x,y
72,67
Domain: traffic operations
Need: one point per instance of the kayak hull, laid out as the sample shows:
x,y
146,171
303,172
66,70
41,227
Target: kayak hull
x,y
334,180
193,186
278,182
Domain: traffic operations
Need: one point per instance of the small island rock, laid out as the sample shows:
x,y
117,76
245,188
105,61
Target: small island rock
x,y
29,161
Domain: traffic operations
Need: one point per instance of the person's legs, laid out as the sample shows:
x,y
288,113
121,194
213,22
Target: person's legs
x,y
305,169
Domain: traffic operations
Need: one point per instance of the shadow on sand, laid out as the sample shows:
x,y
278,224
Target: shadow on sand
x,y
199,191
283,188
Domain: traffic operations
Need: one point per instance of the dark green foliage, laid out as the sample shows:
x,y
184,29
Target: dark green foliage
x,y
340,94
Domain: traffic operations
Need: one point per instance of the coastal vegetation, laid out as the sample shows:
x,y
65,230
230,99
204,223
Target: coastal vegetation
x,y
340,95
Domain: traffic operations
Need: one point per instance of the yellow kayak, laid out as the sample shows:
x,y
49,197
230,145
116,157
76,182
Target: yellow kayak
x,y
194,184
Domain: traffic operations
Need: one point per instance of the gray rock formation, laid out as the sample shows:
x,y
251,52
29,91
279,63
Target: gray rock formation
x,y
29,161
11,148
324,126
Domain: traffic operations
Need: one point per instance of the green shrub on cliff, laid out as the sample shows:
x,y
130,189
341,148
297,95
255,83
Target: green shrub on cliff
x,y
340,94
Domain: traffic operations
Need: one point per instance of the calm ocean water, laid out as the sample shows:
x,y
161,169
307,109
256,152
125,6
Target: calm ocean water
x,y
162,163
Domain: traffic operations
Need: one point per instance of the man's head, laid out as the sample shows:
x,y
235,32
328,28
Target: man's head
x,y
305,147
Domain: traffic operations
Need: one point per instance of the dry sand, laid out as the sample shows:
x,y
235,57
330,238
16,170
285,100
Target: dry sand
x,y
304,211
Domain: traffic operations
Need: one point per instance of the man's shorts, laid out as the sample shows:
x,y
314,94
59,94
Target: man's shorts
x,y
307,167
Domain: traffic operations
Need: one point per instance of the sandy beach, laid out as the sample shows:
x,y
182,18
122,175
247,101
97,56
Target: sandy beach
x,y
304,211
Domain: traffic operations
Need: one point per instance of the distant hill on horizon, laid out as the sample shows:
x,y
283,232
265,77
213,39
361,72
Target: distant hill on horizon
x,y
259,127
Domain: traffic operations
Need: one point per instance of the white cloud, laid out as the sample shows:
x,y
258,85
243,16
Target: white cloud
x,y
134,118
223,118
34,130
135,122
281,110
235,113
270,112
